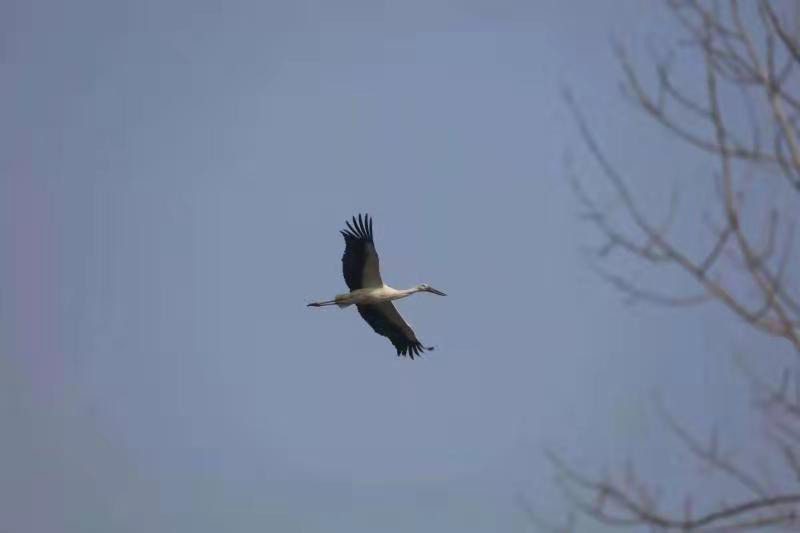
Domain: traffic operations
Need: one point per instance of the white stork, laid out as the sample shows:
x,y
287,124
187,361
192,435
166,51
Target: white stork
x,y
371,296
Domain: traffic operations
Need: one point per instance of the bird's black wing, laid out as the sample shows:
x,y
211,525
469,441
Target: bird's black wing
x,y
360,263
385,320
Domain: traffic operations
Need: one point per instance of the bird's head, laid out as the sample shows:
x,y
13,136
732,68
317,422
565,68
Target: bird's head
x,y
427,288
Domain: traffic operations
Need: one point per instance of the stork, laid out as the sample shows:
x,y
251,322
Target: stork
x,y
369,294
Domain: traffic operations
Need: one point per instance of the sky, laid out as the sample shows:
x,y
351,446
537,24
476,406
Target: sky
x,y
173,179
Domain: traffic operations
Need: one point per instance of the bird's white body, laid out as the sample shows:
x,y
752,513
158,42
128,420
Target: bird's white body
x,y
373,295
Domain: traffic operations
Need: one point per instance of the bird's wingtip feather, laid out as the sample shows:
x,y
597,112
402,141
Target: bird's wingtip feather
x,y
360,227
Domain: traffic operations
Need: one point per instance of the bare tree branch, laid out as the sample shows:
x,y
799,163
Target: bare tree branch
x,y
745,259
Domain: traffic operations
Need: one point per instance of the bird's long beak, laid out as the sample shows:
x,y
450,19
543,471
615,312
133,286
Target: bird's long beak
x,y
436,291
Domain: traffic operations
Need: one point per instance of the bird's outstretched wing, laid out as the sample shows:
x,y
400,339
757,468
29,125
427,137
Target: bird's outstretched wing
x,y
360,263
385,320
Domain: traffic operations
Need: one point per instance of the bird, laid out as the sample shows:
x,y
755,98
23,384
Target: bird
x,y
371,296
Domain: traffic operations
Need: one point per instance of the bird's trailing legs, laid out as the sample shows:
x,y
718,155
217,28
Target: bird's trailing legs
x,y
320,304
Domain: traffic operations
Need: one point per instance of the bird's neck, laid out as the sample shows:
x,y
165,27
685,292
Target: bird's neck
x,y
402,293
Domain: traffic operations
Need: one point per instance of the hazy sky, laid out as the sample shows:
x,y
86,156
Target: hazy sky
x,y
173,177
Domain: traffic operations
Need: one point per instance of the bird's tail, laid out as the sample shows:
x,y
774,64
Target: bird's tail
x,y
343,300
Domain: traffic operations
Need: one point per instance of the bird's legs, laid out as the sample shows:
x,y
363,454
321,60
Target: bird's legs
x,y
320,304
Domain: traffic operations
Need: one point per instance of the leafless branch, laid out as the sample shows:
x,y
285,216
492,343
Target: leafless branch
x,y
616,506
745,260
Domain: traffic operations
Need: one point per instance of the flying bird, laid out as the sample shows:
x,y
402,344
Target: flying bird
x,y
369,294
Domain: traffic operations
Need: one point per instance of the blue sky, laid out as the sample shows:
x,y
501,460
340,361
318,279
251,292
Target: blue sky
x,y
172,183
